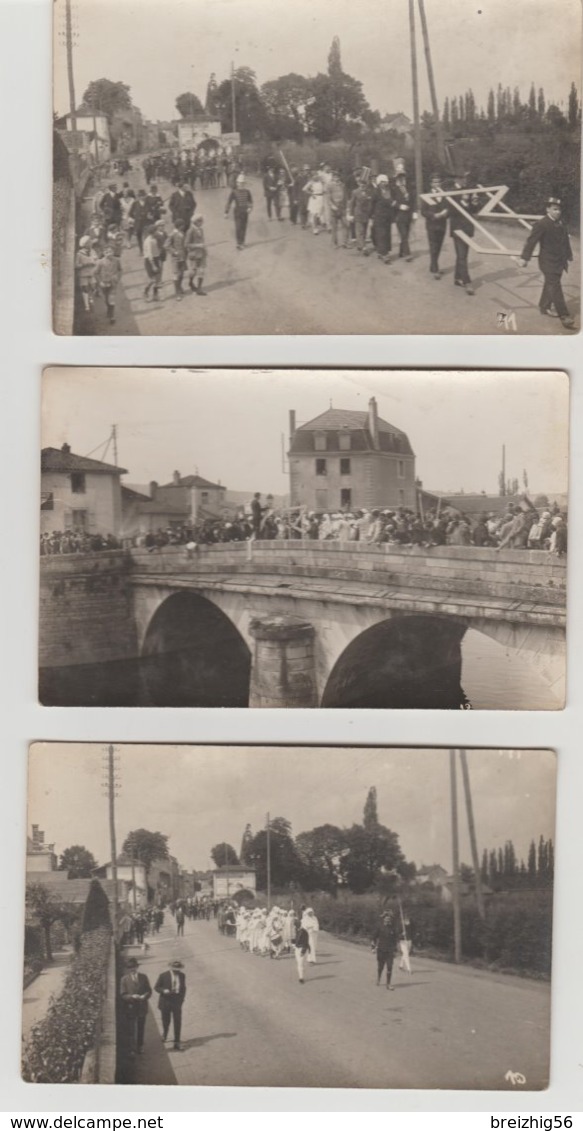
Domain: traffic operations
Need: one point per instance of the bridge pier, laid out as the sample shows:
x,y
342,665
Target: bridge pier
x,y
283,669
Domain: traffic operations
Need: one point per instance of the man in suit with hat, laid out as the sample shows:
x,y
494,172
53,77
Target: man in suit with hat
x,y
171,986
135,992
555,254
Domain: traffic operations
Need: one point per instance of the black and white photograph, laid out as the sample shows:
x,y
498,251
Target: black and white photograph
x,y
251,167
301,539
289,916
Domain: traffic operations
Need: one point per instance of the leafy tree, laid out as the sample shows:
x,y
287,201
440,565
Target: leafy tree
x,y
455,117
335,59
370,818
286,864
335,101
188,105
250,111
245,842
491,107
554,117
285,99
105,97
541,103
322,850
47,910
210,102
516,103
531,865
532,110
484,867
573,112
446,114
224,853
146,846
78,862
369,851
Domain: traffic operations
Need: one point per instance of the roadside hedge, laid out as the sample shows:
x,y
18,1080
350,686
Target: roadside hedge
x,y
57,1046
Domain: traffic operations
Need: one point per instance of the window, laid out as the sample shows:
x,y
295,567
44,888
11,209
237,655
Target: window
x,y
321,467
204,496
345,467
79,520
401,469
77,483
344,441
320,442
346,497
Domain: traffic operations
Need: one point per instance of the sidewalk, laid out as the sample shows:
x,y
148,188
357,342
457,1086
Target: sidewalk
x,y
153,1066
36,997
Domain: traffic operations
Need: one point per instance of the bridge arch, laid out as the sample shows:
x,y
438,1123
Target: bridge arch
x,y
401,662
193,656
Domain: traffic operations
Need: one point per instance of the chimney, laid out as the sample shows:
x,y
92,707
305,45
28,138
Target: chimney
x,y
292,423
153,489
176,478
66,449
373,422
41,839
35,836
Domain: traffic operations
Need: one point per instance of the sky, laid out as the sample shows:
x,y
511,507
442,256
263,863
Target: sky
x,y
163,49
228,425
201,796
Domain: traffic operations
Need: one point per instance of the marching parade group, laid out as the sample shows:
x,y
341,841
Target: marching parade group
x,y
359,211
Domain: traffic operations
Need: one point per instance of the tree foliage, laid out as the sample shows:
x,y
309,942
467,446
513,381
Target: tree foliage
x,y
106,97
146,846
47,910
224,853
188,105
251,119
78,862
285,100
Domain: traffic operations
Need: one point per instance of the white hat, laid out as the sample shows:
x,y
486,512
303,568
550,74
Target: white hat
x,y
241,179
84,241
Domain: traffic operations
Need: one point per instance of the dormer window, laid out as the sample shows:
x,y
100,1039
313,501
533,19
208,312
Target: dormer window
x,y
344,439
320,442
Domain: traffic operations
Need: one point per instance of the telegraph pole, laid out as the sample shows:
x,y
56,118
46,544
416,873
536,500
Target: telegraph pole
x,y
457,926
112,840
416,124
233,102
114,438
71,80
268,864
133,860
472,830
431,77
227,867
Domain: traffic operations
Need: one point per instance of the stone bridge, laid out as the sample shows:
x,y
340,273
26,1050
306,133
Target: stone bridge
x,y
306,623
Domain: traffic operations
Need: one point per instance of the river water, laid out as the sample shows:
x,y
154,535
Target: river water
x,y
497,681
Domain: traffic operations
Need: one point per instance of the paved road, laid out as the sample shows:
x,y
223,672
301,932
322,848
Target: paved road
x,y
289,282
247,1021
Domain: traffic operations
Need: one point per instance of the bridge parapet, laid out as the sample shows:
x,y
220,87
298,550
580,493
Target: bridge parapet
x,y
523,575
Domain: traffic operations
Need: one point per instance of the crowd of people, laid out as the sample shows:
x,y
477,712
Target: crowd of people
x,y
520,526
372,214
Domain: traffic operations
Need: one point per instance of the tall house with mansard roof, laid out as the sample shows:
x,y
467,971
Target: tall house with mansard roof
x,y
78,493
347,460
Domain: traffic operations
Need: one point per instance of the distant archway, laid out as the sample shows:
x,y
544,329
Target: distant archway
x,y
193,656
406,662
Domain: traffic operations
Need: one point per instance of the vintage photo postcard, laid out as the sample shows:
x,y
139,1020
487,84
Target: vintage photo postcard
x,y
236,538
267,168
289,916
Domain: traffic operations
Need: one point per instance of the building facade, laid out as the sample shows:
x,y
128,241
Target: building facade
x,y
198,497
40,857
192,132
230,879
345,460
78,493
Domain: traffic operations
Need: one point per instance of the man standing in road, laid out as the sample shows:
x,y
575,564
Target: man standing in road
x,y
182,205
435,214
135,992
241,197
555,254
177,249
460,225
301,949
171,986
384,943
256,514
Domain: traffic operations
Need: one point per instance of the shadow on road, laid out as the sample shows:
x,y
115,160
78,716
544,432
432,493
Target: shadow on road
x,y
407,985
320,977
199,1042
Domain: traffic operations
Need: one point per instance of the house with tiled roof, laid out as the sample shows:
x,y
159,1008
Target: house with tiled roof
x,y
79,493
200,497
345,460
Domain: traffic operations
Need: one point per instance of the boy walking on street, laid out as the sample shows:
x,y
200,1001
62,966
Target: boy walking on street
x,y
107,277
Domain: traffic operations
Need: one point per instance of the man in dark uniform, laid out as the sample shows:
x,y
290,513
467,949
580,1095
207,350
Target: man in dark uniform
x,y
154,205
171,986
403,208
242,199
470,202
182,205
435,214
555,254
135,992
271,190
256,514
384,943
110,206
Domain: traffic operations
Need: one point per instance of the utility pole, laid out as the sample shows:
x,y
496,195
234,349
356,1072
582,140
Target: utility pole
x,y
268,863
472,830
112,841
431,77
233,101
133,860
416,124
114,438
227,867
71,79
457,926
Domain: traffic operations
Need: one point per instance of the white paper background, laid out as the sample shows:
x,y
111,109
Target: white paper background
x,y
25,241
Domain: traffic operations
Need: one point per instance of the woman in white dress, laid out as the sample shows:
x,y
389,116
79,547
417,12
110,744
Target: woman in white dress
x,y
315,188
311,925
